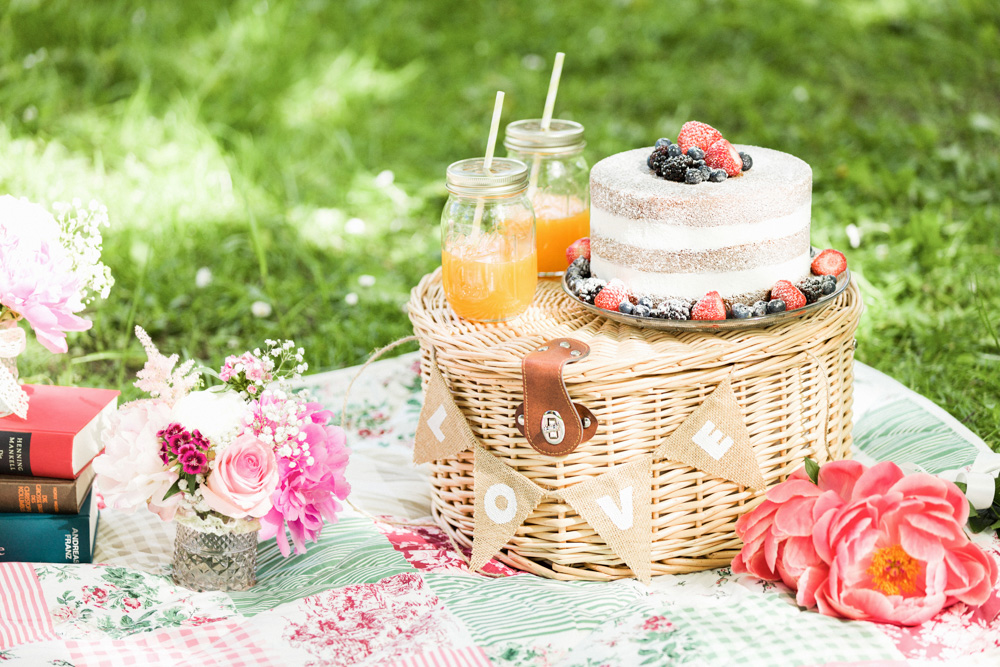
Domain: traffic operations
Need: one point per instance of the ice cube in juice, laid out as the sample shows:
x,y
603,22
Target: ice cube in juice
x,y
489,284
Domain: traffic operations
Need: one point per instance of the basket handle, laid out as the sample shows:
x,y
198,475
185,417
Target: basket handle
x,y
375,355
823,435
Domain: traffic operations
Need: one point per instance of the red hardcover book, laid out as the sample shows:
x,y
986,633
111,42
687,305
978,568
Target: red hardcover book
x,y
61,435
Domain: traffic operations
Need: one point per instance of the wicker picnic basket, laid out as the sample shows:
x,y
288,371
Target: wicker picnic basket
x,y
793,382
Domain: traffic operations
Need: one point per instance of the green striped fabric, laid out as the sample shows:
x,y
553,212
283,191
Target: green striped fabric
x,y
352,551
904,431
524,606
766,630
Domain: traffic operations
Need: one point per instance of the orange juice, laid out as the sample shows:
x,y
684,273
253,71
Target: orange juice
x,y
554,234
488,287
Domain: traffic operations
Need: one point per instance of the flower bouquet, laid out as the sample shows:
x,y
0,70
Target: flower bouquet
x,y
241,460
50,268
867,543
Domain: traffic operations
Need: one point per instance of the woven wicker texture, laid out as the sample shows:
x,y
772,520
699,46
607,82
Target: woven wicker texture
x,y
793,382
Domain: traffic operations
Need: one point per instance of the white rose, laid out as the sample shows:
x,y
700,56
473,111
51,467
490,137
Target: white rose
x,y
30,223
214,413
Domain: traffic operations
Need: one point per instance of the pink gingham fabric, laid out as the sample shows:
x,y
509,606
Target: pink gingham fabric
x,y
223,644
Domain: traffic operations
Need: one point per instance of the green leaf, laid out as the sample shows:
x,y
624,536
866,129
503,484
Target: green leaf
x,y
174,489
812,469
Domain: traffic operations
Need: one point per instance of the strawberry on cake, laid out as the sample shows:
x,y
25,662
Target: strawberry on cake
x,y
682,220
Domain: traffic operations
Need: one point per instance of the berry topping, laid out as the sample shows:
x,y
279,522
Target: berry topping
x,y
662,141
675,168
577,249
718,175
697,134
741,311
673,309
588,289
829,285
626,307
706,172
612,296
722,155
710,307
760,309
747,160
811,288
775,306
580,268
674,150
696,153
645,301
693,176
829,263
641,311
788,293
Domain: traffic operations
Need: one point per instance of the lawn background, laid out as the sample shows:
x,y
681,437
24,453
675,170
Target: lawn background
x,y
293,147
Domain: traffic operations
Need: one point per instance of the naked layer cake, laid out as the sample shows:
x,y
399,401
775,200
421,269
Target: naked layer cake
x,y
670,239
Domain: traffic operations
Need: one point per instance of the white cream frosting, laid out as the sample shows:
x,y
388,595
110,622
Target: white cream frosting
x,y
671,236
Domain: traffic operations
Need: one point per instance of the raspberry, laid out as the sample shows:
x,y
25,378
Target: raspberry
x,y
611,296
788,293
722,155
829,263
578,248
697,134
710,307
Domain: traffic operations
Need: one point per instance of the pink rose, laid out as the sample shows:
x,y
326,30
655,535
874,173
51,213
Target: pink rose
x,y
868,544
245,475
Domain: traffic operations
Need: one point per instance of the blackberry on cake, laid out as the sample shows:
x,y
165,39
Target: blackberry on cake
x,y
579,267
588,289
673,309
674,168
815,287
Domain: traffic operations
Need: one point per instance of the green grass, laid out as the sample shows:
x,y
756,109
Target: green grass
x,y
244,137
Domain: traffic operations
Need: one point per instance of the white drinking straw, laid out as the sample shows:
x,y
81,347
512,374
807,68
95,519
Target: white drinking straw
x,y
550,103
491,144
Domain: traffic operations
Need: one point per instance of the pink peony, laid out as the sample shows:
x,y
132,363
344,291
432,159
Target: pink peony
x,y
130,472
868,544
245,476
308,493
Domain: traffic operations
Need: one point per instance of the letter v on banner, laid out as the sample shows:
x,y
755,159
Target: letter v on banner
x,y
442,430
618,505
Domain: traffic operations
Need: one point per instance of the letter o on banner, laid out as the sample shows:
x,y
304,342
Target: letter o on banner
x,y
490,501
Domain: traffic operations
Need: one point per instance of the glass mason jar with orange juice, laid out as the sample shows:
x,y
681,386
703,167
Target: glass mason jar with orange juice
x,y
488,258
559,180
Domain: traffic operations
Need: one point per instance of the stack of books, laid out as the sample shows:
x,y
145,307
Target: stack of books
x,y
48,513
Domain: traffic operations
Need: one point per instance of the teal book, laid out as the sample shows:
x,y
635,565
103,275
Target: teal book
x,y
50,538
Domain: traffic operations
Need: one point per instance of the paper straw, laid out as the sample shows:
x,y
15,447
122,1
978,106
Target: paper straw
x,y
491,144
550,103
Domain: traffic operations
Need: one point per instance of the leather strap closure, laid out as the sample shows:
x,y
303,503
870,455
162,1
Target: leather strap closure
x,y
551,422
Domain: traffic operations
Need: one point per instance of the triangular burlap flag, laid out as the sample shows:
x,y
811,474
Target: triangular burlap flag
x,y
715,439
618,506
504,498
442,430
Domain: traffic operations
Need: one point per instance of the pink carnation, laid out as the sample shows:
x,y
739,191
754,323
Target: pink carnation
x,y
308,492
867,543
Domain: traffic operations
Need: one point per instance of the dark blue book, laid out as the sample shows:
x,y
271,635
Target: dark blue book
x,y
50,538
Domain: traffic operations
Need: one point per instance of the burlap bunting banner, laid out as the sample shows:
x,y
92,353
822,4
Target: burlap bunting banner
x,y
504,499
443,430
715,439
618,506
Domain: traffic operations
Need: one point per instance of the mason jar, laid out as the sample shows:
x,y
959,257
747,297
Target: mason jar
x,y
488,259
559,185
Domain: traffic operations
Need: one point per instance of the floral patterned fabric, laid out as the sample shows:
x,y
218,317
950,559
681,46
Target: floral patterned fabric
x,y
385,586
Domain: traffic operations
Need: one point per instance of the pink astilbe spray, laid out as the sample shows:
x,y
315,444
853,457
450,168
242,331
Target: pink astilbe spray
x,y
311,483
158,378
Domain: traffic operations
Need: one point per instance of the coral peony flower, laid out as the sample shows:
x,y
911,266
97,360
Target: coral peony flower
x,y
310,486
130,472
881,546
245,476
